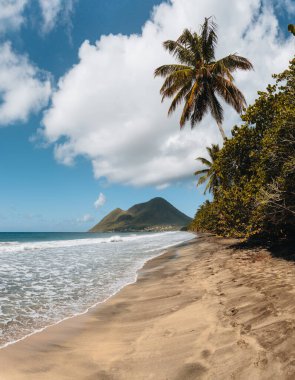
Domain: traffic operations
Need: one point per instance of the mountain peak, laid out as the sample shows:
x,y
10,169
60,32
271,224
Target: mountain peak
x,y
157,214
157,200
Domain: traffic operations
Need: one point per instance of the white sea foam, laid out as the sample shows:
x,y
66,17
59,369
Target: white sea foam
x,y
44,282
16,246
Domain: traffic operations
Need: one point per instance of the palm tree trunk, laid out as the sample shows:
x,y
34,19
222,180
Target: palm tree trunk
x,y
221,130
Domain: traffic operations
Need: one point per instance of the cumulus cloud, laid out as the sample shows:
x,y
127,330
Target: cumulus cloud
x,y
107,107
101,200
85,219
23,87
11,14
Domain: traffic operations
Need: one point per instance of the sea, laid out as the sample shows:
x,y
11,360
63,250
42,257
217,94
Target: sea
x,y
48,277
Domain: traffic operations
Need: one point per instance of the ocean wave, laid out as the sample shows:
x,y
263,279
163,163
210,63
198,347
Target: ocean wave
x,y
41,287
16,246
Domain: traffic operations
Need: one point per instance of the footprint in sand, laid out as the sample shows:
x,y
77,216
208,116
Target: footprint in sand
x,y
206,353
261,361
245,328
242,343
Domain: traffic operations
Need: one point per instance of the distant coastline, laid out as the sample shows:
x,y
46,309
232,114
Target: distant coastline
x,y
157,228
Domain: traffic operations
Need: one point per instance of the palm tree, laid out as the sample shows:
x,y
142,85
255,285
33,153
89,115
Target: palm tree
x,y
199,79
209,174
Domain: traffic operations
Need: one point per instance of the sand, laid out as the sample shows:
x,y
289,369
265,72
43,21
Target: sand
x,y
206,310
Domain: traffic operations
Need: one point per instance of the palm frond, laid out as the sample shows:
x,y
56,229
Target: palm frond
x,y
198,43
203,171
175,81
208,187
235,62
230,93
200,107
172,90
165,70
189,102
178,76
215,106
175,88
209,39
213,151
179,98
181,53
185,115
204,31
204,161
202,180
186,38
190,41
219,68
209,173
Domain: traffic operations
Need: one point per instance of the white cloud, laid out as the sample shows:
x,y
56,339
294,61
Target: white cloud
x,y
11,14
287,6
52,10
101,200
107,107
23,87
85,219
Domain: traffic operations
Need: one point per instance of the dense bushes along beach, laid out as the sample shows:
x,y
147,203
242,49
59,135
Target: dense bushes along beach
x,y
253,175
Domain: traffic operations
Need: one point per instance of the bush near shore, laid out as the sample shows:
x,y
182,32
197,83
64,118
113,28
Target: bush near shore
x,y
254,194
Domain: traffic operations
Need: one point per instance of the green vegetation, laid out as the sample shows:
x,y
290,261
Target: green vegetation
x,y
252,177
155,215
254,173
199,78
209,175
291,28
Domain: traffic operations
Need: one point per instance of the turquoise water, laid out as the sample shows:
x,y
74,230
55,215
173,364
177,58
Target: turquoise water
x,y
47,277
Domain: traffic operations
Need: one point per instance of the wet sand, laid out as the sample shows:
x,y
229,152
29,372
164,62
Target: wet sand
x,y
205,310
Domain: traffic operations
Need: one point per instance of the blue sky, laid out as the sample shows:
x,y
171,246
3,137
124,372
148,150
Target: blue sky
x,y
54,161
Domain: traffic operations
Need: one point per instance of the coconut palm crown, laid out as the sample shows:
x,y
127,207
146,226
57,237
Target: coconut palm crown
x,y
209,173
199,80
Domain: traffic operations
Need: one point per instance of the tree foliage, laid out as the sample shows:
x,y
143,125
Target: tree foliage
x,y
208,174
199,79
256,169
291,28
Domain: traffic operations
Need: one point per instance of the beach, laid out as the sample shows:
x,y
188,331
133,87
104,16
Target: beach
x,y
207,309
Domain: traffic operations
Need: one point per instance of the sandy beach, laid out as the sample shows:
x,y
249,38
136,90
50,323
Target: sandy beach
x,y
204,310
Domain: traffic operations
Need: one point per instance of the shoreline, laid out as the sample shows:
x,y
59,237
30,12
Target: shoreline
x,y
204,310
97,304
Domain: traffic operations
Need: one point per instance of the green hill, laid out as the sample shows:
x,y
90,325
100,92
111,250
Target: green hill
x,y
154,215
